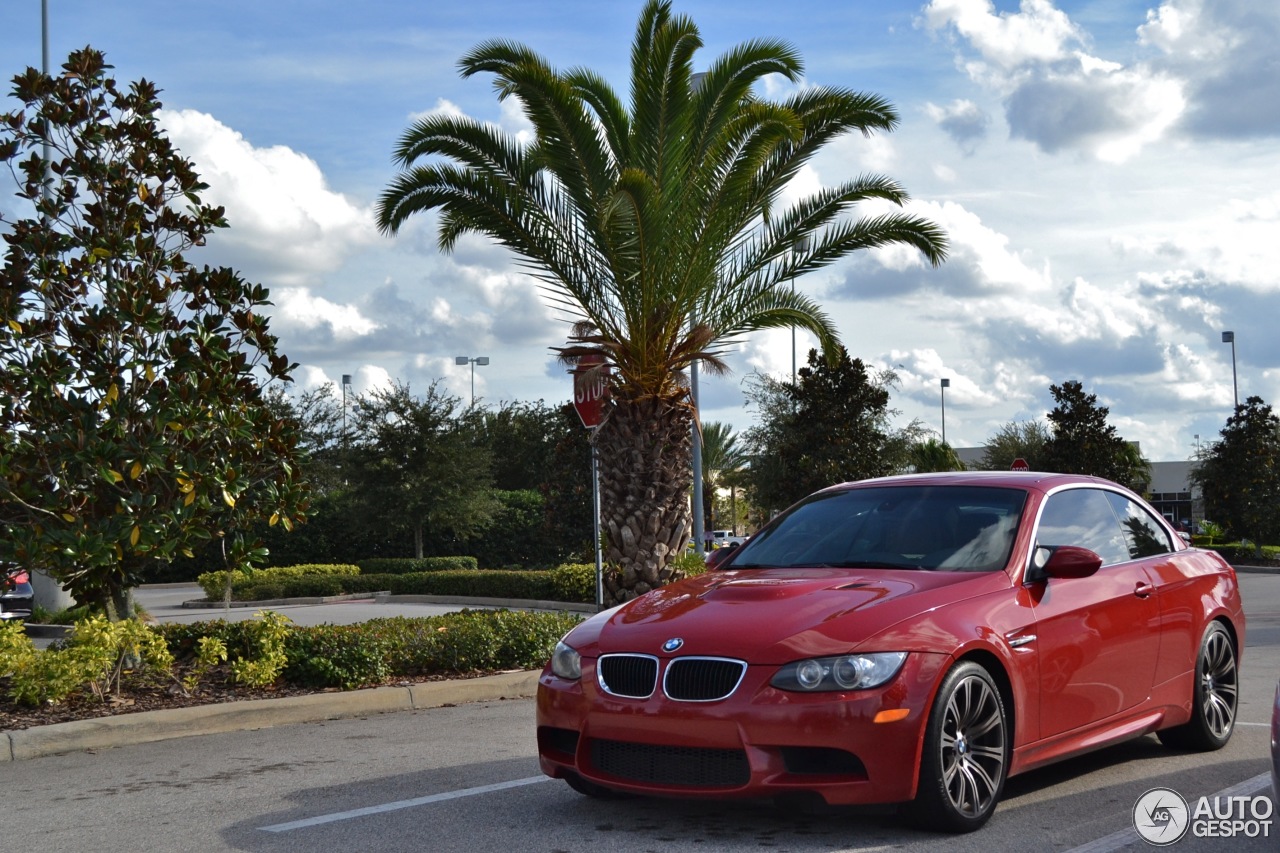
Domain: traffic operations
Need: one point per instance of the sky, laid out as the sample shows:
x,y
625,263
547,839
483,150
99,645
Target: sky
x,y
1107,173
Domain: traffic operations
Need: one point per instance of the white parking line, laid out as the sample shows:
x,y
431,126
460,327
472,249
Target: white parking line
x,y
402,804
1125,837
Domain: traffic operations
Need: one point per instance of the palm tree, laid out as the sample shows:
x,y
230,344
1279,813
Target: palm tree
x,y
933,455
645,224
722,461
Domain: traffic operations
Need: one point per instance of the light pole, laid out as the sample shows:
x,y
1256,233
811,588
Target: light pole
x,y
480,360
346,387
946,383
1230,338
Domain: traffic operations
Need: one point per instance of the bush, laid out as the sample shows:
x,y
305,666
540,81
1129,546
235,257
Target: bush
x,y
574,582
346,656
409,565
470,641
213,582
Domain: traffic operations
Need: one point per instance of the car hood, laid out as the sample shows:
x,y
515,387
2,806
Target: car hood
x,y
772,616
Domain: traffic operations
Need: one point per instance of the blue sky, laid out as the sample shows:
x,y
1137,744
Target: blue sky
x,y
1107,171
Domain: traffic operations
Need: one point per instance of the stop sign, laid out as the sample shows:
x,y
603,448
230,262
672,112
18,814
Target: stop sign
x,y
1019,464
590,388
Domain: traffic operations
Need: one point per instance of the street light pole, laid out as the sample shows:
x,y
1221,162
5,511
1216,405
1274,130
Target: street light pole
x,y
946,383
480,360
1230,338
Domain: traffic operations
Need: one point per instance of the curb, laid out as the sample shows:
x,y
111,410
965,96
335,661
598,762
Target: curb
x,y
149,726
388,598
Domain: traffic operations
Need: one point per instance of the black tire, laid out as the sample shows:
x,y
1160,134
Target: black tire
x,y
966,752
1214,698
590,789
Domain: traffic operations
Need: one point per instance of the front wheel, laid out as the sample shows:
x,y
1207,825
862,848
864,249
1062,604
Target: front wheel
x,y
966,752
1213,703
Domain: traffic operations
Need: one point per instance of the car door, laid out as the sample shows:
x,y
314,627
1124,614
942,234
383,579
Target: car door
x,y
1097,637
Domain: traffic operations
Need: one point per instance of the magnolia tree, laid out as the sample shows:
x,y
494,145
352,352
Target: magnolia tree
x,y
133,421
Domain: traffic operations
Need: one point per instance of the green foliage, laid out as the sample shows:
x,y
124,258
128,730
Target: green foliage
x,y
830,426
1024,440
266,659
346,656
133,425
470,641
96,656
1239,476
932,455
659,221
416,463
213,582
574,582
210,651
690,564
407,565
1212,531
1082,442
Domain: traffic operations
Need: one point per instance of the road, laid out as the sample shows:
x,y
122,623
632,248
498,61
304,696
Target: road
x,y
465,779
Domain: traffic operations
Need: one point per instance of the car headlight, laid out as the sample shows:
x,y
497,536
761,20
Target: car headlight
x,y
845,672
566,662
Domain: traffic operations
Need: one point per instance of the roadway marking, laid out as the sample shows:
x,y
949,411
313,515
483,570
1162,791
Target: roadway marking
x,y
402,804
1125,837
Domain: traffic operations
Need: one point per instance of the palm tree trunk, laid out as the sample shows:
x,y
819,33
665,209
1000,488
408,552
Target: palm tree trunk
x,y
645,477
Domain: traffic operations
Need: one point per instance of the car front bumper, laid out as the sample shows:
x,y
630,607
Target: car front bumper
x,y
846,747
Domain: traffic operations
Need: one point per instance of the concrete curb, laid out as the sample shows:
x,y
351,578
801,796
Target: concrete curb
x,y
148,726
388,598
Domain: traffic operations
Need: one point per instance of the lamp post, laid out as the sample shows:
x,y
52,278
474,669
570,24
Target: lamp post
x,y
346,387
946,383
480,360
1230,338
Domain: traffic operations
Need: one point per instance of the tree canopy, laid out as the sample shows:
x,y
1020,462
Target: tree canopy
x,y
831,426
1239,476
1082,442
133,422
658,227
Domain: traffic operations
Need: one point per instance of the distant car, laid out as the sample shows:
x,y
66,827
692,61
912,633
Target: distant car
x,y
720,538
16,596
912,639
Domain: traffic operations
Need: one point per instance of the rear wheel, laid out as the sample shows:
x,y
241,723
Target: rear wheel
x,y
966,752
1213,703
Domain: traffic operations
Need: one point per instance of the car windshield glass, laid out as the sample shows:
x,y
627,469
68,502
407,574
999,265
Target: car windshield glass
x,y
945,528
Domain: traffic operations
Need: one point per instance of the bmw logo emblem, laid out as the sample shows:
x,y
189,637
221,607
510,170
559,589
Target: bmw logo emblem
x,y
672,644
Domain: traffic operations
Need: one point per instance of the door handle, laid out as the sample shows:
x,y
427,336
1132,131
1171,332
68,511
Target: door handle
x,y
1143,589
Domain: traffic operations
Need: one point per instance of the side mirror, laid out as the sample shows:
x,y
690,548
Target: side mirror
x,y
1066,561
721,555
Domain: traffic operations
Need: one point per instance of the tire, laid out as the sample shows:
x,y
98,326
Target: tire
x,y
1214,698
966,753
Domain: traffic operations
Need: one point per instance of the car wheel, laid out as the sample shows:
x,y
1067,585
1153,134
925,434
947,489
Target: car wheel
x,y
1213,703
590,789
966,752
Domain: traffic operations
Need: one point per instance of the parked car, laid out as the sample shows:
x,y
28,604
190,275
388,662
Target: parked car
x,y
913,639
16,596
720,538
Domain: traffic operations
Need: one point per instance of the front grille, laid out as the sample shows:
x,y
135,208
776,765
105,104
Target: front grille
x,y
628,675
702,679
692,767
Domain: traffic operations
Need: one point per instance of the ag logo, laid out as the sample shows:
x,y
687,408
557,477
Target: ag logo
x,y
672,644
1161,816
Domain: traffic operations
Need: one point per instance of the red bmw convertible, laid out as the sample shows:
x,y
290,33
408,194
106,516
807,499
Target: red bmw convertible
x,y
913,639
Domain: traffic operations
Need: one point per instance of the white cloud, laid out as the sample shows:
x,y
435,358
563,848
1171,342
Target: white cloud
x,y
284,220
297,309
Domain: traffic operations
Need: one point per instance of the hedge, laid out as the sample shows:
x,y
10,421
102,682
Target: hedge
x,y
373,652
213,582
410,565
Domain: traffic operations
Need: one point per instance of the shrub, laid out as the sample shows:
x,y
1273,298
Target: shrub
x,y
212,582
574,582
410,565
346,656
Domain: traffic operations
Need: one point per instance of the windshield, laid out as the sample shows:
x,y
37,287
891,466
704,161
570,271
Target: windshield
x,y
948,528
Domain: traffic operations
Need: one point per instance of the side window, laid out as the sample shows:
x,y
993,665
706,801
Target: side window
x,y
1083,517
1143,534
